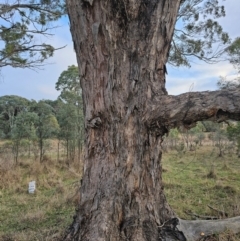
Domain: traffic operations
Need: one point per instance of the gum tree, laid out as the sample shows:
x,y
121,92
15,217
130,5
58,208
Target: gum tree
x,y
46,124
122,48
71,94
23,128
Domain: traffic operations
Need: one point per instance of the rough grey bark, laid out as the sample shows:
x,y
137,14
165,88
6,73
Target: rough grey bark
x,y
122,47
186,109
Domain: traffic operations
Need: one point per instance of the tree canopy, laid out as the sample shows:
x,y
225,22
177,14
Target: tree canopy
x,y
234,53
197,34
21,27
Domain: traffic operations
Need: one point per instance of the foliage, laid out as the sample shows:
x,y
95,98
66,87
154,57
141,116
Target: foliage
x,y
70,114
46,124
198,34
210,126
233,132
36,122
226,84
67,119
24,127
69,85
197,133
10,106
219,137
172,138
234,53
22,25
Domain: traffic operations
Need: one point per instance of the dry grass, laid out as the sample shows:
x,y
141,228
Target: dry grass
x,y
45,214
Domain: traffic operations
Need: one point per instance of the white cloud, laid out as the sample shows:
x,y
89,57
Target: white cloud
x,y
200,77
49,92
231,22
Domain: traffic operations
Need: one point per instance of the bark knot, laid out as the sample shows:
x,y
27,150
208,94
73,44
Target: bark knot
x,y
95,122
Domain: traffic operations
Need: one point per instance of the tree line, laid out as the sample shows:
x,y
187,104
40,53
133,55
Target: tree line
x,y
30,124
225,137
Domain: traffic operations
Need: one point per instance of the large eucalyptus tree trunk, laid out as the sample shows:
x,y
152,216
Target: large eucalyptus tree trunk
x,y
122,47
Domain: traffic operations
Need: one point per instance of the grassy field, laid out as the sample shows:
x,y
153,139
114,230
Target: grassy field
x,y
202,185
193,182
196,180
43,215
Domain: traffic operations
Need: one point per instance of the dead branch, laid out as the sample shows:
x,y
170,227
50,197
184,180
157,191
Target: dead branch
x,y
201,216
221,213
196,229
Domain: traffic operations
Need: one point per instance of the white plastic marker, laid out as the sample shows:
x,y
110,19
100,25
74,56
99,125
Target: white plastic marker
x,y
31,187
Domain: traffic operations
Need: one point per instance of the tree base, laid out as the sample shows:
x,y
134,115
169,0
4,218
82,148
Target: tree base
x,y
178,229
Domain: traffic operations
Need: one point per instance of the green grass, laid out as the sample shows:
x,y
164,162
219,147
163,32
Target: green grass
x,y
192,181
198,179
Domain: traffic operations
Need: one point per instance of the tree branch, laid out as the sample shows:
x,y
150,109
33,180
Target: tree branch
x,y
194,230
6,8
186,109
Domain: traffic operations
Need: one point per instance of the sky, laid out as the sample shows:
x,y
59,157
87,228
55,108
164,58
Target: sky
x,y
40,84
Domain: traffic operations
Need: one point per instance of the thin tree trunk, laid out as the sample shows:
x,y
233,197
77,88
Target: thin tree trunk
x,y
15,151
67,149
41,149
58,149
29,149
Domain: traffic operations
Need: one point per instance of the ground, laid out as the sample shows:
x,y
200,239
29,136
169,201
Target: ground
x,y
193,180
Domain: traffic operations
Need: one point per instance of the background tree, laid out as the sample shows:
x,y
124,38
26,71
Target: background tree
x,y
233,132
210,126
10,107
173,138
193,137
122,48
220,139
68,122
46,124
24,127
234,53
22,24
225,83
71,94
